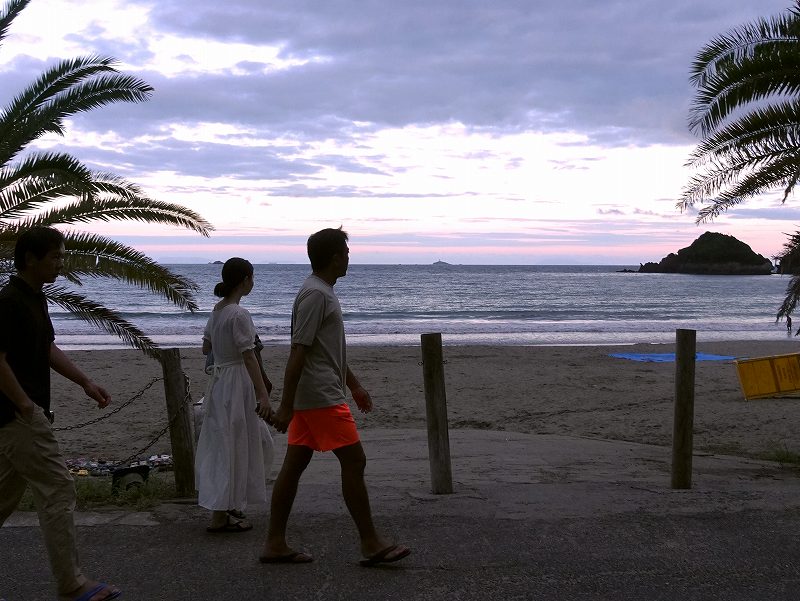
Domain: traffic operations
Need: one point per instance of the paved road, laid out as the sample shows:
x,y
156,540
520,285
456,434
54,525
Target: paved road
x,y
532,517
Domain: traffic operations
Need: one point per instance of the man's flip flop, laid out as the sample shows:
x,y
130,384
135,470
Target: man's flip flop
x,y
293,557
99,588
385,556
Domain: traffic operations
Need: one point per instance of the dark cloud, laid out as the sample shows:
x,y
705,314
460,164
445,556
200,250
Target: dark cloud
x,y
789,212
616,71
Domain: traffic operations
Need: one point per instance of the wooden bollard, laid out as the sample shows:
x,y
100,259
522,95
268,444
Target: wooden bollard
x,y
683,422
436,413
179,414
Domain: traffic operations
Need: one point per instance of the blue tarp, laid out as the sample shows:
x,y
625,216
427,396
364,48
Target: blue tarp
x,y
668,357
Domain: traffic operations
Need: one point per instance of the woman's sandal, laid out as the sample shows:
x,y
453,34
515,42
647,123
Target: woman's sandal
x,y
230,526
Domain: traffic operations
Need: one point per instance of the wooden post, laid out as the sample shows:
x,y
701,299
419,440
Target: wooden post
x,y
436,413
179,414
683,424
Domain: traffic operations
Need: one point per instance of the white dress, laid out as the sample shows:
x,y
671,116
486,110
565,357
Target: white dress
x,y
233,457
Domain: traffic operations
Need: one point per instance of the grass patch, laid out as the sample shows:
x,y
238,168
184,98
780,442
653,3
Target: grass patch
x,y
782,454
95,492
731,448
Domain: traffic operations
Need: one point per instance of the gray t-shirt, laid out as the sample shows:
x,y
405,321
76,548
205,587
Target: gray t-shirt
x,y
317,324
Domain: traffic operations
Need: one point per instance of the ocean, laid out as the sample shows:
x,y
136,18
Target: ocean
x,y
469,304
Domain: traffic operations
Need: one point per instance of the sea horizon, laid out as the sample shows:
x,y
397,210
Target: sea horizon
x,y
519,305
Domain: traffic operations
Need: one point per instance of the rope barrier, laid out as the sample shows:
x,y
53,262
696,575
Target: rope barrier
x,y
187,401
187,398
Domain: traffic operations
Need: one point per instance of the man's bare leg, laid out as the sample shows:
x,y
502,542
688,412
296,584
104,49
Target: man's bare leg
x,y
283,494
353,461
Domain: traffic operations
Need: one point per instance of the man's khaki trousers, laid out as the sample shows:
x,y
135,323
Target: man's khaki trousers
x,y
29,456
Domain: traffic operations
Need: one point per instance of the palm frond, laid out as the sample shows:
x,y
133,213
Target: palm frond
x,y
69,87
79,195
750,63
773,128
8,14
100,196
142,210
90,255
44,164
747,110
102,317
40,179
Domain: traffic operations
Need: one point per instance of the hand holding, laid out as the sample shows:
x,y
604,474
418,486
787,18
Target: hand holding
x,y
281,418
263,409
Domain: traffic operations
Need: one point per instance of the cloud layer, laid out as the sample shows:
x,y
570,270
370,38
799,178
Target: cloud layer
x,y
503,104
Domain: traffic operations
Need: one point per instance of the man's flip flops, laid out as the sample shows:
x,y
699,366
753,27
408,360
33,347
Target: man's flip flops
x,y
385,556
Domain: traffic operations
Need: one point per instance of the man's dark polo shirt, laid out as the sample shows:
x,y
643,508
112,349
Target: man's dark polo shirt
x,y
26,334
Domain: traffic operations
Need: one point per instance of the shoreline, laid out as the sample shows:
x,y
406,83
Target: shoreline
x,y
565,390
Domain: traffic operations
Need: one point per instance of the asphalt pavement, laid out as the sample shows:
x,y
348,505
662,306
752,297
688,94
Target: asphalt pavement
x,y
530,517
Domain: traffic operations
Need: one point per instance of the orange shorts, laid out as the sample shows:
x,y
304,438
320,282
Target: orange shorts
x,y
323,429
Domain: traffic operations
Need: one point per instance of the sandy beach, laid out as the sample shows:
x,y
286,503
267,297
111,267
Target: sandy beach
x,y
577,391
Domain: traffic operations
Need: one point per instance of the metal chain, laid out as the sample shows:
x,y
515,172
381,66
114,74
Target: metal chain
x,y
110,413
187,398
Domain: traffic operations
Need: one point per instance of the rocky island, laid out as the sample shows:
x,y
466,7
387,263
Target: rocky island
x,y
713,254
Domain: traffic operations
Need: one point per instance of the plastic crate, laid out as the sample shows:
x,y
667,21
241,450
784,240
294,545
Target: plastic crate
x,y
766,377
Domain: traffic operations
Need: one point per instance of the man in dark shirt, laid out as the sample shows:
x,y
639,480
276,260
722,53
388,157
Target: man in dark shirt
x,y
29,453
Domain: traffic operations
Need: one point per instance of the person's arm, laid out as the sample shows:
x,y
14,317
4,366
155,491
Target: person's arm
x,y
12,389
262,396
264,376
206,346
291,377
61,364
360,395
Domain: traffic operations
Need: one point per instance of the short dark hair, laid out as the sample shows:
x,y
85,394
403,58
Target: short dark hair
x,y
234,272
324,244
37,240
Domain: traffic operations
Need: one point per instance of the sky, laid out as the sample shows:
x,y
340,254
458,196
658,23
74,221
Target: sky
x,y
468,131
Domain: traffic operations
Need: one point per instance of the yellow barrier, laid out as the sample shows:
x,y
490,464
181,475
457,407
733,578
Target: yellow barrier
x,y
766,377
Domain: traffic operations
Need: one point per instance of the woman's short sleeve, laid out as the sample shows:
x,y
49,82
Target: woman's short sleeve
x,y
244,332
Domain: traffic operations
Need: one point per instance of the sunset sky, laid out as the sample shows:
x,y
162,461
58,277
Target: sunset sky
x,y
469,131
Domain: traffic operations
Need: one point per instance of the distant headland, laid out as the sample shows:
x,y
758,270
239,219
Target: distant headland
x,y
713,254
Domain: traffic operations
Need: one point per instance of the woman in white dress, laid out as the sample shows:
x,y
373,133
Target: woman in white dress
x,y
230,470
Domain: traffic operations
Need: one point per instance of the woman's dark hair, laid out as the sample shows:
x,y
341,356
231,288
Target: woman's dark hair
x,y
323,245
37,240
234,272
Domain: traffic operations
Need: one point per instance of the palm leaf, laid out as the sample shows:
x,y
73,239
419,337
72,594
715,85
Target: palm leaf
x,y
102,317
90,255
69,87
57,189
9,13
747,110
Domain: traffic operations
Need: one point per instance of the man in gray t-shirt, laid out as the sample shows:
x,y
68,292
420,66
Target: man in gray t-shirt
x,y
317,325
314,410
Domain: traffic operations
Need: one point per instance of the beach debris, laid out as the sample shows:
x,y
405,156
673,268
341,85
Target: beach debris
x,y
127,478
101,467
